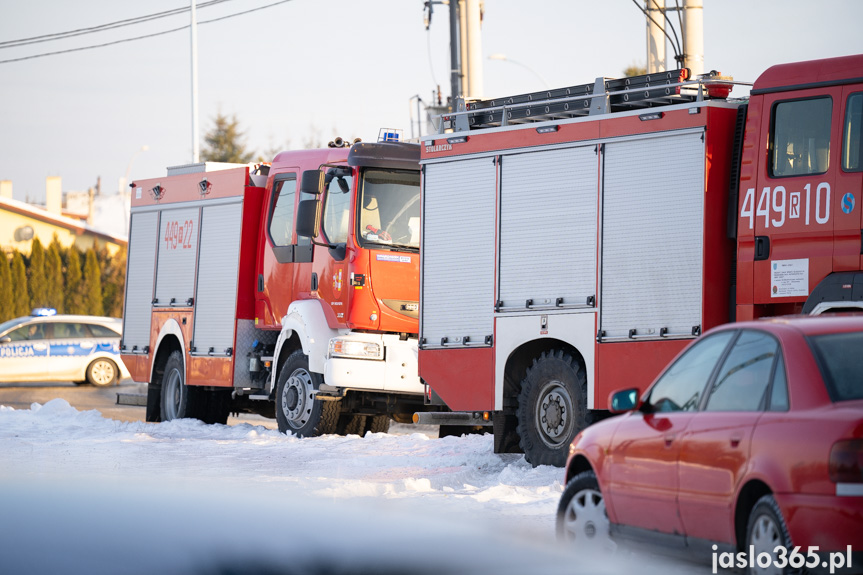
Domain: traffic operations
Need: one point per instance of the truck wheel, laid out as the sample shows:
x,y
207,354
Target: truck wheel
x,y
377,423
581,517
551,408
176,401
297,411
102,372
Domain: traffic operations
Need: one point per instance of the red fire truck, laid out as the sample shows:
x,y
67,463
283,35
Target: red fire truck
x,y
575,240
293,285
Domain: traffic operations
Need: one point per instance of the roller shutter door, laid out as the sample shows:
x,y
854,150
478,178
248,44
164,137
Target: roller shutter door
x,y
458,254
139,280
178,246
653,212
216,297
548,228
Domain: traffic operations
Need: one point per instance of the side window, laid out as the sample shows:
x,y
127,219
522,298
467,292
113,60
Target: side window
x,y
337,209
69,331
742,381
102,331
681,386
282,216
852,139
28,332
800,137
779,390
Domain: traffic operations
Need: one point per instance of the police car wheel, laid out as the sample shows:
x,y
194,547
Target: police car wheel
x,y
102,372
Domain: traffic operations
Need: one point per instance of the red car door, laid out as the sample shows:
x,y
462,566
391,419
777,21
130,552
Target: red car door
x,y
714,449
642,467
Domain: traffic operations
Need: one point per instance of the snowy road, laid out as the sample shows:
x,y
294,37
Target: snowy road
x,y
252,485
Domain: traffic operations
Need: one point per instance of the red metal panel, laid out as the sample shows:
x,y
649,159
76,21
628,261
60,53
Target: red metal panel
x,y
636,364
612,126
215,371
247,279
799,73
463,378
184,187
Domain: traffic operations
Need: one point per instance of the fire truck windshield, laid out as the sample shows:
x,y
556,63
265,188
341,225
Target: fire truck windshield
x,y
389,209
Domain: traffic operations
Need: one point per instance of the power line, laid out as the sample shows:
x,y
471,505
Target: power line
x,y
143,36
102,27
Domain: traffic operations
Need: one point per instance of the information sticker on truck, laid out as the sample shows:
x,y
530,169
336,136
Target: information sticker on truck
x,y
392,258
789,278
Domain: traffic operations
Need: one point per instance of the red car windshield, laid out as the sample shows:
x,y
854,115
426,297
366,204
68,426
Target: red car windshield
x,y
841,363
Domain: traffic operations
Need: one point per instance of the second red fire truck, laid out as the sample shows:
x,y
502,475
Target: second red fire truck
x,y
290,290
575,240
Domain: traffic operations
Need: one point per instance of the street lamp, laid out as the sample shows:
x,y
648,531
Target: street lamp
x,y
503,58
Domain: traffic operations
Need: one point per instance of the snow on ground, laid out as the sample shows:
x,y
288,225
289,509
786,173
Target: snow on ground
x,y
80,493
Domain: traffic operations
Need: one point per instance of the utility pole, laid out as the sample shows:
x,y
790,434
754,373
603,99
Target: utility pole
x,y
455,49
693,36
655,36
470,20
196,156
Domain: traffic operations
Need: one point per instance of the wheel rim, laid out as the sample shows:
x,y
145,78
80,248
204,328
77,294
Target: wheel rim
x,y
764,538
554,414
102,372
585,520
172,390
297,397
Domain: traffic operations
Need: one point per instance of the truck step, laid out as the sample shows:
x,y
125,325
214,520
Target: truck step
x,y
132,399
450,418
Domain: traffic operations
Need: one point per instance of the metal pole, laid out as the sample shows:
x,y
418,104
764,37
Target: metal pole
x,y
472,48
196,156
655,36
454,50
693,36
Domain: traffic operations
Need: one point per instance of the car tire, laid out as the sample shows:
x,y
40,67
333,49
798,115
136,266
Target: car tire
x,y
766,530
102,372
177,401
297,411
551,408
581,517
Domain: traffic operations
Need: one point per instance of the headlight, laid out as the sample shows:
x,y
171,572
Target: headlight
x,y
357,349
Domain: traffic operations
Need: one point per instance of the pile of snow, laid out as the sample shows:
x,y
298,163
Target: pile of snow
x,y
86,494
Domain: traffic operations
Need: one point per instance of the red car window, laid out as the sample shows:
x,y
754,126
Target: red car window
x,y
681,386
841,363
745,374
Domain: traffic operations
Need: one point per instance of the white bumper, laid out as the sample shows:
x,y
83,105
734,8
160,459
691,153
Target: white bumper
x,y
398,371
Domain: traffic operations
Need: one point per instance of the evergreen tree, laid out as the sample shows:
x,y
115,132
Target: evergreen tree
x,y
36,280
75,302
20,296
225,142
93,284
6,302
113,281
54,276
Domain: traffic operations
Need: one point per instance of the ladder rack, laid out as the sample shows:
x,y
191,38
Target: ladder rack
x,y
604,96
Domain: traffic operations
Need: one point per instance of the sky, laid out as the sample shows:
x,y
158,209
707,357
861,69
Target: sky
x,y
306,71
83,494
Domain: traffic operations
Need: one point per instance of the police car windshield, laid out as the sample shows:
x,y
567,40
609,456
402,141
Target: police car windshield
x,y
7,325
389,209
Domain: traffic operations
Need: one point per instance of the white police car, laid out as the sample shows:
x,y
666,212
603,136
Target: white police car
x,y
50,347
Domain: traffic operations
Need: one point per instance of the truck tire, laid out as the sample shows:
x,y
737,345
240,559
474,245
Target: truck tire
x,y
102,372
377,423
297,411
177,401
551,408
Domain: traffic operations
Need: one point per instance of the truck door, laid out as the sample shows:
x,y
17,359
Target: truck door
x,y
336,224
791,206
847,233
280,252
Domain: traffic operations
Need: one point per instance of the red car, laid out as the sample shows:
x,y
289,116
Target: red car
x,y
752,438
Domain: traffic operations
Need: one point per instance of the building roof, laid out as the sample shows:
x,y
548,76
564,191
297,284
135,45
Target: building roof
x,y
71,224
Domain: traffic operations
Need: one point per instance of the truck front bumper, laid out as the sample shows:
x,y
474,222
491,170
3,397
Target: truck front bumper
x,y
396,371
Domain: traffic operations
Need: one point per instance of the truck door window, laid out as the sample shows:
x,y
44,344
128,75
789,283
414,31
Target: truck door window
x,y
282,215
337,210
852,147
800,137
390,208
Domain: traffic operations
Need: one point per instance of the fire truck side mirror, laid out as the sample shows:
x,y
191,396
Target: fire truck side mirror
x,y
308,221
312,182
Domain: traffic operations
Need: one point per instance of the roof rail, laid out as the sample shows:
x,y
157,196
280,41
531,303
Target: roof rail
x,y
604,96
